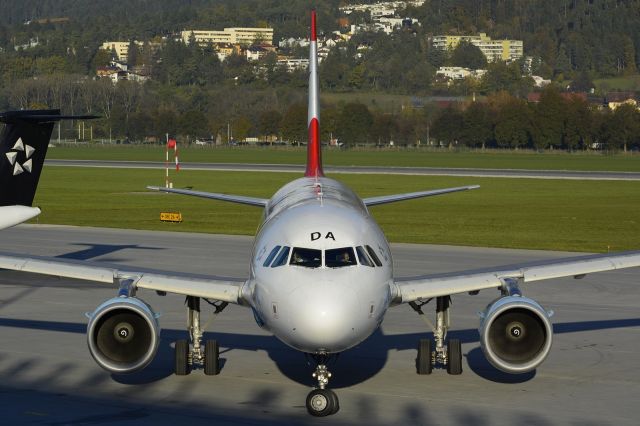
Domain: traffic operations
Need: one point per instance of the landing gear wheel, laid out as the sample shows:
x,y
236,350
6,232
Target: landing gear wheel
x,y
322,402
211,358
181,367
454,357
423,361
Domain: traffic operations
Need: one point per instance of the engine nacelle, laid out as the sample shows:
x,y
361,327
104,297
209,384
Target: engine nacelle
x,y
515,334
123,335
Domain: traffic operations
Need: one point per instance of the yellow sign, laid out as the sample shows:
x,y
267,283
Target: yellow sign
x,y
171,217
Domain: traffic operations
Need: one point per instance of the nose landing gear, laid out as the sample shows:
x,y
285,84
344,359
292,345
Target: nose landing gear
x,y
321,401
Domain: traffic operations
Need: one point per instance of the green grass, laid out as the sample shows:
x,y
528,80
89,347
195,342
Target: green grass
x,y
592,216
376,101
631,82
370,157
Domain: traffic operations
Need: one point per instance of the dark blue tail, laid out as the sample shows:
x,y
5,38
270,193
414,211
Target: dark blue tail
x,y
23,148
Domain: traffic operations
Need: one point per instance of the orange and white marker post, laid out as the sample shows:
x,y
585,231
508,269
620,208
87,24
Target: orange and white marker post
x,y
171,144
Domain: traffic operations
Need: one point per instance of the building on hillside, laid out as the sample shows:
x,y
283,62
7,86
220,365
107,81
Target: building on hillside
x,y
224,50
121,48
380,8
614,100
293,64
494,50
259,51
458,73
243,36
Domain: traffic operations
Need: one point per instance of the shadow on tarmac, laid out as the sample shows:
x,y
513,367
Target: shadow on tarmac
x,y
353,367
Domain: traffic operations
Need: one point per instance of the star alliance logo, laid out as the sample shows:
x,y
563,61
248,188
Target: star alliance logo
x,y
12,156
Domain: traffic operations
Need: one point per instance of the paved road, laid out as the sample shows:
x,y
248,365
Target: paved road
x,y
48,377
426,171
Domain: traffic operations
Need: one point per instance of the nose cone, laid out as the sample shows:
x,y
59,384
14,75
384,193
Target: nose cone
x,y
325,318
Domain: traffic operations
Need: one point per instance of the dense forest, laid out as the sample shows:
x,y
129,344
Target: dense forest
x,y
193,93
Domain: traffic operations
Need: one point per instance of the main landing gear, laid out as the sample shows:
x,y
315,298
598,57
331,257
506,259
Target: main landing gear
x,y
322,402
449,356
187,357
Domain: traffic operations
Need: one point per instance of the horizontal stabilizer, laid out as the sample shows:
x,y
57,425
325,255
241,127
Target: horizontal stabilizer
x,y
374,201
240,199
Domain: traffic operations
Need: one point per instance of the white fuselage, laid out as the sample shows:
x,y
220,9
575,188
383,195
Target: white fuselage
x,y
317,292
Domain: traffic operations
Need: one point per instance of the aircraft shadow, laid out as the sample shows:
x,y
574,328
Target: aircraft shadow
x,y
354,366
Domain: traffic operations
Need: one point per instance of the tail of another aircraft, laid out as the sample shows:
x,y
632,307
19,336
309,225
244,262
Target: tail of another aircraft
x,y
314,155
23,147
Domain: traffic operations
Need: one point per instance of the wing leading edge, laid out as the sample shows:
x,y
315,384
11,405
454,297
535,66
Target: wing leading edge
x,y
385,199
426,287
226,290
240,199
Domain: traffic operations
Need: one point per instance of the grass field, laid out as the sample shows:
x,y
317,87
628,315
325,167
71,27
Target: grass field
x,y
401,157
631,82
593,216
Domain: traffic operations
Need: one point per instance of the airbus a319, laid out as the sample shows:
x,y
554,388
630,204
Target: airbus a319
x,y
321,280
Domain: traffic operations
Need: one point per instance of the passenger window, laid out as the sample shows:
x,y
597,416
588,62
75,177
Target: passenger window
x,y
282,258
363,258
339,258
269,258
374,256
309,258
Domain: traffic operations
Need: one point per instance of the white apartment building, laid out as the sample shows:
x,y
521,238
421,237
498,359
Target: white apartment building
x,y
494,50
120,47
292,64
243,36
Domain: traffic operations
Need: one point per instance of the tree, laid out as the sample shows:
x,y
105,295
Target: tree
x,y
582,82
549,119
447,127
513,124
294,124
578,128
477,128
468,56
132,54
354,124
626,122
269,123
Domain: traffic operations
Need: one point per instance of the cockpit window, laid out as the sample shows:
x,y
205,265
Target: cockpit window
x,y
374,256
309,258
269,258
341,257
363,258
282,258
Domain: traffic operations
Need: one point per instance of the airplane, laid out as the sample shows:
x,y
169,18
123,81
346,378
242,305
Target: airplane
x,y
23,148
321,280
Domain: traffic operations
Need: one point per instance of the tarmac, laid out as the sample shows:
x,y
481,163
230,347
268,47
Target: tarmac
x,y
47,376
413,171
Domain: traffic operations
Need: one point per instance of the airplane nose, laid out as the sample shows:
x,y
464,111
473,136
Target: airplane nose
x,y
327,319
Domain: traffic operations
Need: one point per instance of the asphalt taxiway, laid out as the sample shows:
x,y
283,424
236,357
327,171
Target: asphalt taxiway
x,y
415,171
47,376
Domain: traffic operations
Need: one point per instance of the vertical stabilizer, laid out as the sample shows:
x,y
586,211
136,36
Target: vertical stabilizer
x,y
314,157
23,147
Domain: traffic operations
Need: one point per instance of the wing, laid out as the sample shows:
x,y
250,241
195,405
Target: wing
x,y
426,287
216,288
374,201
251,201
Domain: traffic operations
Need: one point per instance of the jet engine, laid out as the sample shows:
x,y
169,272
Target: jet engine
x,y
515,334
123,334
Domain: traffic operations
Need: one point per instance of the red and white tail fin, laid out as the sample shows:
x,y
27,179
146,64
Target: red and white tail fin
x,y
314,157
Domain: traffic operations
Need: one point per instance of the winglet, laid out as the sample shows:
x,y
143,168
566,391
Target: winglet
x,y
314,156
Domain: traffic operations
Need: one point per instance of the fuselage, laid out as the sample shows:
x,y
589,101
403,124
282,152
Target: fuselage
x,y
321,268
